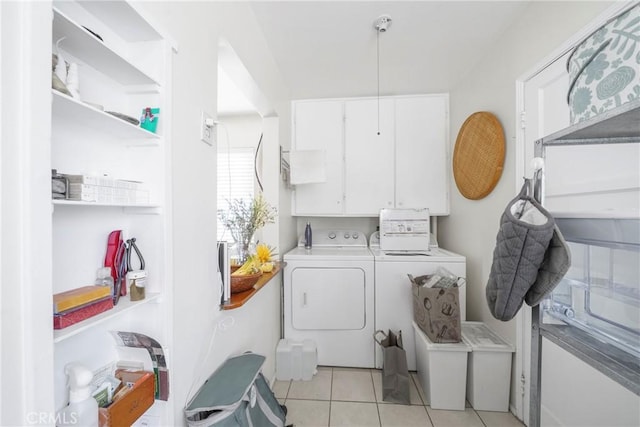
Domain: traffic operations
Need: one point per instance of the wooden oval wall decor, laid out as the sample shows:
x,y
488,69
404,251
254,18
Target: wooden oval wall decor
x,y
478,156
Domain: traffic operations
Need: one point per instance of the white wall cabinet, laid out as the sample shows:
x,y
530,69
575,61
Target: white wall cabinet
x,y
406,165
369,156
422,154
319,126
125,72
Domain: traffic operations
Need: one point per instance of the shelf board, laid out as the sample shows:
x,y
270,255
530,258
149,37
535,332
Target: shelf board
x,y
124,18
85,46
63,202
241,298
70,110
619,125
124,305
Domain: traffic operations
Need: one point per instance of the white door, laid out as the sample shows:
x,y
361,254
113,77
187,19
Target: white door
x,y
328,298
545,106
422,163
369,157
544,111
319,125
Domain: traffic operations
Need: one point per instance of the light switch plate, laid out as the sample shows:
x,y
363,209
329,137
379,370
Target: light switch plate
x,y
207,129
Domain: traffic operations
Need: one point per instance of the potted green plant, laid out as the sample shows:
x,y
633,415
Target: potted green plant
x,y
243,218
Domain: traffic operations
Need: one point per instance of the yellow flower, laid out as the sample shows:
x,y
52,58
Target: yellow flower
x,y
264,252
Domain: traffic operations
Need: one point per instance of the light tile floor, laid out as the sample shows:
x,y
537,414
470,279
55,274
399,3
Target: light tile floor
x,y
353,397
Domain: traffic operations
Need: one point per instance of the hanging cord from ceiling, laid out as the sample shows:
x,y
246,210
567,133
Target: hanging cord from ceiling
x,y
381,25
378,73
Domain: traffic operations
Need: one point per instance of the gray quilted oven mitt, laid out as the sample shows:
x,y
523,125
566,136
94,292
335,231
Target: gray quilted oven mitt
x,y
556,263
526,229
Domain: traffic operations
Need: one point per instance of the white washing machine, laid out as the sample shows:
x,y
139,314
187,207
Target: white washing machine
x,y
394,299
329,297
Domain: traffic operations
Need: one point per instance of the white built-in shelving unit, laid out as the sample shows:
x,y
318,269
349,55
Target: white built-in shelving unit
x,y
125,72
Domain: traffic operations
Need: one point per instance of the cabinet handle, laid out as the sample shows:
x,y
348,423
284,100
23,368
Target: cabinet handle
x,y
304,299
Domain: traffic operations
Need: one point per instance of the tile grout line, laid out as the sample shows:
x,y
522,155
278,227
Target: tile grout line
x,y
375,397
330,398
415,384
478,415
424,404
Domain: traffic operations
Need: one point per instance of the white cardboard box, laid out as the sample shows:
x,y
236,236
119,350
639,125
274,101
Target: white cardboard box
x,y
442,371
489,370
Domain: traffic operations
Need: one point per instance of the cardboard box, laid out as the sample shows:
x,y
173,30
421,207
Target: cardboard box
x,y
79,297
437,311
135,402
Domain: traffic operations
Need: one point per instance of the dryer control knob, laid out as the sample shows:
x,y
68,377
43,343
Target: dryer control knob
x,y
355,236
332,235
346,235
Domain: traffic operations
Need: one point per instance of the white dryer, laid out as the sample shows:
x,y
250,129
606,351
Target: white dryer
x,y
394,300
329,297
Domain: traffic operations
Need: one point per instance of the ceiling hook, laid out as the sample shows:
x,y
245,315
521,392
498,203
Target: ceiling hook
x,y
383,23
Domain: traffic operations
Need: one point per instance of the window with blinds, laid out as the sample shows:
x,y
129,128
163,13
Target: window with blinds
x,y
235,180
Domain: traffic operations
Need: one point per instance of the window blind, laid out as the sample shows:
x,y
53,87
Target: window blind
x,y
235,181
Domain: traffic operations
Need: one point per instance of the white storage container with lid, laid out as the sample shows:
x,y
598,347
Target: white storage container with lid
x,y
442,371
489,370
296,360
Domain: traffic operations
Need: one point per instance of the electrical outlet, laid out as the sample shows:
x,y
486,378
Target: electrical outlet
x,y
207,129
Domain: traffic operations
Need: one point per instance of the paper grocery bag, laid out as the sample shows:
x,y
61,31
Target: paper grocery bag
x,y
437,310
395,373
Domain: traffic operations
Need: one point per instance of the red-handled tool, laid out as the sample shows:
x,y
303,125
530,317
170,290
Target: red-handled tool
x,y
116,259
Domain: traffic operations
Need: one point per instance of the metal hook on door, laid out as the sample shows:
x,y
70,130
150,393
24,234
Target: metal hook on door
x,y
537,164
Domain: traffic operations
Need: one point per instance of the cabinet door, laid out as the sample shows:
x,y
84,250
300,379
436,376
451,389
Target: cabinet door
x,y
369,164
422,162
320,126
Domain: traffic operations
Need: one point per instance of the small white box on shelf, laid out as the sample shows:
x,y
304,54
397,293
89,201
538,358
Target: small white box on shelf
x,y
296,360
442,371
489,370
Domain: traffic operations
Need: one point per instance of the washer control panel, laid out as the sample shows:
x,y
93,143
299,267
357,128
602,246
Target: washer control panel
x,y
333,238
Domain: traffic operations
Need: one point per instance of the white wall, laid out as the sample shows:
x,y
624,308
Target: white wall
x,y
197,26
237,131
490,86
25,262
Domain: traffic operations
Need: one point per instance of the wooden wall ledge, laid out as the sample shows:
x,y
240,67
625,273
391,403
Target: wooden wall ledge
x,y
241,298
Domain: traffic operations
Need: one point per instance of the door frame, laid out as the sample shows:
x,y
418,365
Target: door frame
x,y
523,319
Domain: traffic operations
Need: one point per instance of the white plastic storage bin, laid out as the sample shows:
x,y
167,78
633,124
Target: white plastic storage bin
x,y
442,371
296,360
489,370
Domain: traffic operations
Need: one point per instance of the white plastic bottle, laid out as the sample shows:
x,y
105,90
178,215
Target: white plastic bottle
x,y
83,408
104,278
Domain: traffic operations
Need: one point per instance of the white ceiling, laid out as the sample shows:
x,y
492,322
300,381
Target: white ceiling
x,y
328,48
